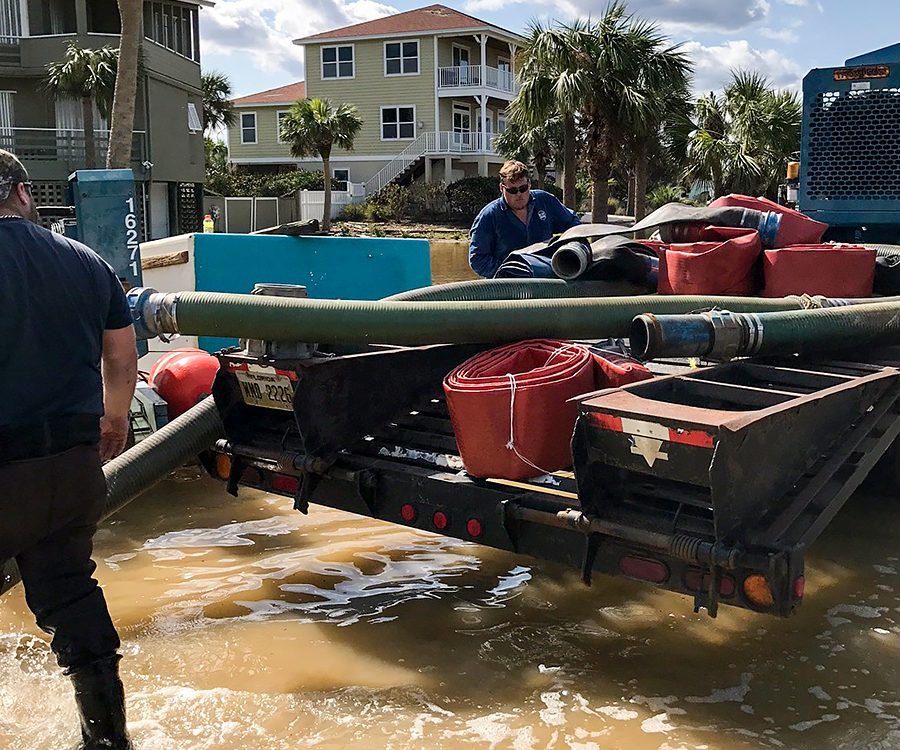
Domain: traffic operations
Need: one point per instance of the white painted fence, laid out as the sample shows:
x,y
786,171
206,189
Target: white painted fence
x,y
312,202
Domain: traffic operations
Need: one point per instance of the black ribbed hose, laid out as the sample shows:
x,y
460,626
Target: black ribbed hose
x,y
147,463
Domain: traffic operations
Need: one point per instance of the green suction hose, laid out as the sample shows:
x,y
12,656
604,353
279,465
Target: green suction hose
x,y
414,323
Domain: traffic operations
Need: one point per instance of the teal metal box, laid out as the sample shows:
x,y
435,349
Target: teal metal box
x,y
108,219
363,268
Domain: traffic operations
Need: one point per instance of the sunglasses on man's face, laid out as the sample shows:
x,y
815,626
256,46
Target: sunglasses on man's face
x,y
516,190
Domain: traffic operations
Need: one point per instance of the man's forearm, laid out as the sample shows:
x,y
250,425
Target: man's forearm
x,y
119,378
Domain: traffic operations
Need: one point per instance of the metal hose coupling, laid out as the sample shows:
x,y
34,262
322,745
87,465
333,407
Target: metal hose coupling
x,y
716,334
571,260
152,312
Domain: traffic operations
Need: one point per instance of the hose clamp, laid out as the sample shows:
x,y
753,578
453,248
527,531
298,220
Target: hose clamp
x,y
139,304
734,334
769,224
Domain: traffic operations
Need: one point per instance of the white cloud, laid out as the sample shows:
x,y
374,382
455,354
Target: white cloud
x,y
713,65
797,3
260,33
782,35
674,16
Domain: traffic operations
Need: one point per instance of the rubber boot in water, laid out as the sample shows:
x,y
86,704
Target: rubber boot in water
x,y
100,698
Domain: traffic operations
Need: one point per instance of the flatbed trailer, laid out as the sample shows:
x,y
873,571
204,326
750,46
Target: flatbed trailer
x,y
706,481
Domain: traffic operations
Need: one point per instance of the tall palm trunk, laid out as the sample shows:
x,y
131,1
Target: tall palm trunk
x,y
599,168
121,134
87,125
640,179
326,214
629,209
569,166
540,168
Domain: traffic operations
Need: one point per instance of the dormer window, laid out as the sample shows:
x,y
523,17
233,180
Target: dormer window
x,y
337,61
401,58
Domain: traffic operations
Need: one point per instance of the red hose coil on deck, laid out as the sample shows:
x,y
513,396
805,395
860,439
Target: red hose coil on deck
x,y
722,262
795,229
511,409
827,270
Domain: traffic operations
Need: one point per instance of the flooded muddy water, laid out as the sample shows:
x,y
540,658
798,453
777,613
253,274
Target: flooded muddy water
x,y
248,625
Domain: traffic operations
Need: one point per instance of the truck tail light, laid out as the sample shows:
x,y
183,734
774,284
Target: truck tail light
x,y
440,520
475,528
758,591
285,483
644,569
223,466
408,513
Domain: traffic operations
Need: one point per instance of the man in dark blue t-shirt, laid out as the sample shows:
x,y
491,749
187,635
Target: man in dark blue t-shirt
x,y
518,218
68,365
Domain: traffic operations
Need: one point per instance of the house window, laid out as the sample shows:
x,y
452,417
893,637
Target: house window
x,y
340,179
194,124
401,58
248,127
398,123
279,116
174,27
337,62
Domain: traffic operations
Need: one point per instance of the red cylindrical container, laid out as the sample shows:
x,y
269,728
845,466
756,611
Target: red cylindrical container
x,y
183,377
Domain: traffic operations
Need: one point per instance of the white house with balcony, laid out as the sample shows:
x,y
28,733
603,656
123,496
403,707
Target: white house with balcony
x,y
432,86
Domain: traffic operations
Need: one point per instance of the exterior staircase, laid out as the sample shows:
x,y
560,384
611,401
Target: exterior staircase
x,y
432,143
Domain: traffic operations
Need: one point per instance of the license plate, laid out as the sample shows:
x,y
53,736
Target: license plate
x,y
264,387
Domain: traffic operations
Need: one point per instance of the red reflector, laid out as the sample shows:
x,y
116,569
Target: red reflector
x,y
646,570
440,520
799,587
697,580
285,483
474,527
408,513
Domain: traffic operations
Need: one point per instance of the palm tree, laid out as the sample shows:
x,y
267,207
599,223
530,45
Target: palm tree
x,y
553,84
88,76
741,140
537,145
313,128
218,110
628,65
121,131
665,77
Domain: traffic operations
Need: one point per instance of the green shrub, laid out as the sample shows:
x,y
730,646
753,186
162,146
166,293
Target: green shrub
x,y
354,212
427,200
391,202
466,197
264,185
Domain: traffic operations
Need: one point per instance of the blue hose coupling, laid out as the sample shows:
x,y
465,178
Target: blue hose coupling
x,y
138,301
769,224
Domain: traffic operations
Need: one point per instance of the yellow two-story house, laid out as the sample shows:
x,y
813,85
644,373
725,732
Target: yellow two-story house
x,y
431,85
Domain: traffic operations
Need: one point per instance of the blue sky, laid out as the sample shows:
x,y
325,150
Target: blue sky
x,y
250,40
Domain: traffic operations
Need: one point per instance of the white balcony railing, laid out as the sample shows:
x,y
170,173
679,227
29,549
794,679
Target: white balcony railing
x,y
477,76
432,143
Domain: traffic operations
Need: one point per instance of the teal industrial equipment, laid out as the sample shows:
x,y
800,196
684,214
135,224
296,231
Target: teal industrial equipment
x,y
109,219
850,158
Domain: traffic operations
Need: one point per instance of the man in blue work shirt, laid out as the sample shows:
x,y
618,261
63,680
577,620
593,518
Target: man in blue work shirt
x,y
518,218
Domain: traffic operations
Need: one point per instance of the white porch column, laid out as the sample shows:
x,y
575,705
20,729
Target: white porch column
x,y
482,38
427,169
482,102
448,168
24,29
513,48
437,101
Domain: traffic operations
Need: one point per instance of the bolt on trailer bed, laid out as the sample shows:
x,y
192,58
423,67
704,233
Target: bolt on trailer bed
x,y
710,482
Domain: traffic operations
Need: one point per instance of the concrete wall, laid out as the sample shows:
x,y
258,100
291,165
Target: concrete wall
x,y
370,89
